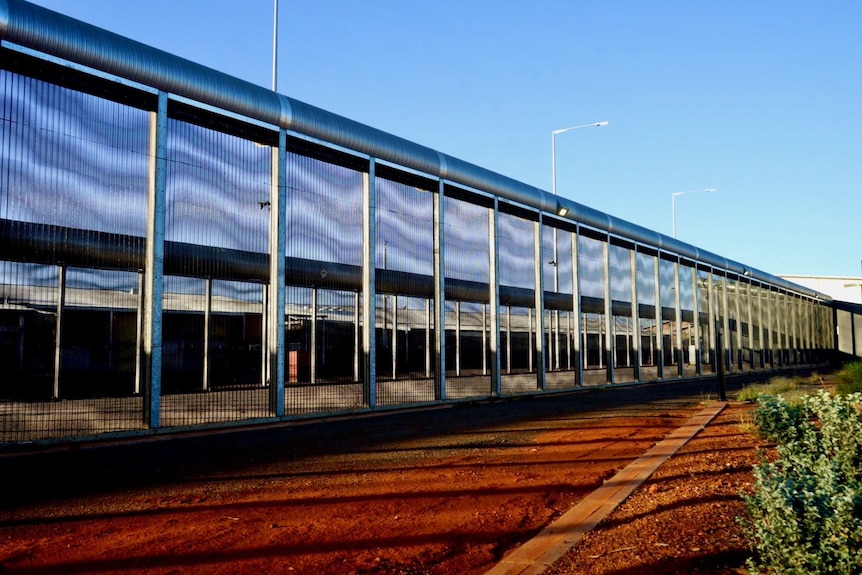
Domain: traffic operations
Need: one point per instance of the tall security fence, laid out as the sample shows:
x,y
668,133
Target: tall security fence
x,y
180,248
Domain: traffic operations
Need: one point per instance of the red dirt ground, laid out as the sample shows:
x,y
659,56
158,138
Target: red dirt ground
x,y
455,505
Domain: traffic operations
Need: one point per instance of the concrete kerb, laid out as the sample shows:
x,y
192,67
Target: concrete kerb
x,y
540,552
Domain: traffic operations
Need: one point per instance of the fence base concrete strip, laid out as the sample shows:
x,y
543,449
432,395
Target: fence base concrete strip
x,y
540,552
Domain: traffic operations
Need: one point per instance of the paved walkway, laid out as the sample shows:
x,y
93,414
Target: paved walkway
x,y
540,552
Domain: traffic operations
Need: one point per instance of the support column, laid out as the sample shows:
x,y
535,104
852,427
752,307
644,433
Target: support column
x,y
494,298
369,288
554,328
610,332
274,308
151,361
539,341
577,328
439,273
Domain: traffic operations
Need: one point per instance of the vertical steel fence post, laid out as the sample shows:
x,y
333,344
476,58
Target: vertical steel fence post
x,y
439,292
610,331
274,307
155,261
369,287
538,266
577,328
494,298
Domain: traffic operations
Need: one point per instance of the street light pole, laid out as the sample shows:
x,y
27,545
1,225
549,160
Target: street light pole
x,y
275,46
554,149
673,202
555,357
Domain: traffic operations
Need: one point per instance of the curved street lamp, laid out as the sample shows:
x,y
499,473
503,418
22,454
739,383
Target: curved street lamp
x,y
554,149
673,202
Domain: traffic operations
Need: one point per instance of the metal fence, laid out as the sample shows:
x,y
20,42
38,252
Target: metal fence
x,y
179,248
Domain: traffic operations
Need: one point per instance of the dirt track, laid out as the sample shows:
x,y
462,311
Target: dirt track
x,y
447,490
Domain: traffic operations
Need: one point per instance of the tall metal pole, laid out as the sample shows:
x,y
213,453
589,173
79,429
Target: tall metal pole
x,y
275,46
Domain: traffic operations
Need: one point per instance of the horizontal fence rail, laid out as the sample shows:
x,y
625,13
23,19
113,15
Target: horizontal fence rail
x,y
180,249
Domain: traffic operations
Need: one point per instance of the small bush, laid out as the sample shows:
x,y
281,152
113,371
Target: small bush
x,y
777,419
806,509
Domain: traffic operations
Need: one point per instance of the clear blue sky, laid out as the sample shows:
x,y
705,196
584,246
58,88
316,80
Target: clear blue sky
x,y
761,99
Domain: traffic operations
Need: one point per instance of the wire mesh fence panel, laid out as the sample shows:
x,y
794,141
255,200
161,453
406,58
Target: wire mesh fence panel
x,y
517,263
72,197
756,328
594,345
80,383
667,288
405,367
323,215
217,242
468,372
405,264
745,335
468,323
733,336
591,276
688,328
622,310
705,332
647,326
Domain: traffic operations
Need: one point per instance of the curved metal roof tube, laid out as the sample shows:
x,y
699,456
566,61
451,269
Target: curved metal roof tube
x,y
58,35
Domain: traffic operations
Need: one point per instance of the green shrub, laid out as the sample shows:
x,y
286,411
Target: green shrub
x,y
777,419
850,378
805,515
